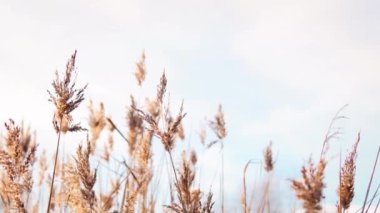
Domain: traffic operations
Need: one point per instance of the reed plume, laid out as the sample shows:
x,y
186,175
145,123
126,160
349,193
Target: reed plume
x,y
268,167
97,122
347,179
66,99
171,126
78,181
140,72
134,124
168,134
86,176
70,193
268,158
218,125
17,158
310,188
190,198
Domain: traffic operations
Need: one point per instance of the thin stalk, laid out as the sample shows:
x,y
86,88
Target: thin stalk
x,y
329,135
340,181
222,181
370,181
116,191
117,129
245,205
373,197
245,187
258,174
126,184
168,171
55,165
124,194
377,205
264,200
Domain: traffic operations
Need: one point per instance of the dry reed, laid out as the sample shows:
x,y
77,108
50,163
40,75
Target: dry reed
x,y
347,179
218,125
17,158
66,99
97,122
268,158
310,188
140,70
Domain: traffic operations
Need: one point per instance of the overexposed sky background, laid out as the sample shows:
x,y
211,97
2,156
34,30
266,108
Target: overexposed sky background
x,y
281,69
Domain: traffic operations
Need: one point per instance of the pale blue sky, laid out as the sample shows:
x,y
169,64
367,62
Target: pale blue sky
x,y
281,69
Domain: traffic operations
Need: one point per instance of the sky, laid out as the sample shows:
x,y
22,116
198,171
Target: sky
x,y
281,70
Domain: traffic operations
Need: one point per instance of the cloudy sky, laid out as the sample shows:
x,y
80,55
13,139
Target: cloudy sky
x,y
281,69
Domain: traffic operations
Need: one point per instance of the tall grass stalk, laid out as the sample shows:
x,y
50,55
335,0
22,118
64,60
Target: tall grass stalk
x,y
370,181
55,165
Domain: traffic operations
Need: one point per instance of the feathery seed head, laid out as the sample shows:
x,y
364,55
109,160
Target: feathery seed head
x,y
310,189
347,177
16,158
66,98
97,122
140,69
268,158
135,126
161,88
218,125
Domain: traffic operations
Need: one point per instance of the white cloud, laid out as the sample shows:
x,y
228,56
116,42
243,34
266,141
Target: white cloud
x,y
309,46
314,49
